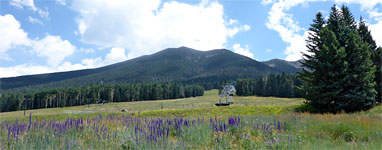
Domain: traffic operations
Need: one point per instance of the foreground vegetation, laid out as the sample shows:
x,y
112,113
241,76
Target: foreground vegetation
x,y
127,131
192,123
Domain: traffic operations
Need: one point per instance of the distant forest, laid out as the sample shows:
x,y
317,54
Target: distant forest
x,y
278,85
76,96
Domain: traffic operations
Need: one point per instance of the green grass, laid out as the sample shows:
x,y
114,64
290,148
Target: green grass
x,y
219,111
362,130
203,105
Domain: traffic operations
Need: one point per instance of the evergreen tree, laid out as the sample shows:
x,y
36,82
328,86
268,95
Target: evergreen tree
x,y
377,59
323,82
365,34
341,75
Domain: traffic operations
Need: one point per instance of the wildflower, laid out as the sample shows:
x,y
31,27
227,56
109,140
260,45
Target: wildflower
x,y
299,131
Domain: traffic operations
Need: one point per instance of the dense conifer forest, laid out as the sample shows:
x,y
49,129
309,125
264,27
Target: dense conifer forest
x,y
277,85
64,97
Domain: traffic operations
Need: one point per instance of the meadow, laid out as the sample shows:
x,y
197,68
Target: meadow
x,y
192,123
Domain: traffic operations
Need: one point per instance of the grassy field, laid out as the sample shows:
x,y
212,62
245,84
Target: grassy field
x,y
203,105
192,123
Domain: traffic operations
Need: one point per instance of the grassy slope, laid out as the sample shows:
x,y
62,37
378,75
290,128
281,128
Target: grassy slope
x,y
196,106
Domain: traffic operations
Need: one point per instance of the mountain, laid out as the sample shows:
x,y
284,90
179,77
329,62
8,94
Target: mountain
x,y
284,66
170,65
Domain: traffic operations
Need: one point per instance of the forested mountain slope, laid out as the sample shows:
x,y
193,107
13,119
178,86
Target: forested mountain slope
x,y
170,65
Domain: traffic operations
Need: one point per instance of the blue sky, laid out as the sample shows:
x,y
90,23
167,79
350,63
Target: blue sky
x,y
61,35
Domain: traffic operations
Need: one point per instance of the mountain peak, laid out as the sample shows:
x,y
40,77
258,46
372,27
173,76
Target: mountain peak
x,y
284,66
180,64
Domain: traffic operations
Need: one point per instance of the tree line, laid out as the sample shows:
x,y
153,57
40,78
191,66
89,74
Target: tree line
x,y
344,64
76,96
278,85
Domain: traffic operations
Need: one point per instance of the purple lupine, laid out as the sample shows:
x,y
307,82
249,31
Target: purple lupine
x,y
168,130
9,131
136,134
30,118
279,125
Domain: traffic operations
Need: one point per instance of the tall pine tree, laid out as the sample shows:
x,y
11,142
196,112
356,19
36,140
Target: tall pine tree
x,y
365,34
341,73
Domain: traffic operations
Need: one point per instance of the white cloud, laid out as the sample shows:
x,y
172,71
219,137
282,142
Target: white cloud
x,y
288,29
11,35
30,69
23,3
365,4
246,27
375,13
115,55
35,20
376,30
23,69
29,4
242,51
61,2
92,62
233,21
68,66
268,51
264,2
86,50
53,48
43,13
144,27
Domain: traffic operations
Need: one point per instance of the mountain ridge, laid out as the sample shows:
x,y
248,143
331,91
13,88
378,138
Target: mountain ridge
x,y
169,65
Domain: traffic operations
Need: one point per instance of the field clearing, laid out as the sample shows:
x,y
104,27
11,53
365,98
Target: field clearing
x,y
203,104
192,123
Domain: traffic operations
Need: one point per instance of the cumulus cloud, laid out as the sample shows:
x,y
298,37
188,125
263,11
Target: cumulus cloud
x,y
289,30
53,48
144,27
114,56
30,69
242,51
376,30
29,4
11,35
23,69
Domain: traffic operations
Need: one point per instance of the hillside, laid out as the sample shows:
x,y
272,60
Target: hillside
x,y
170,65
